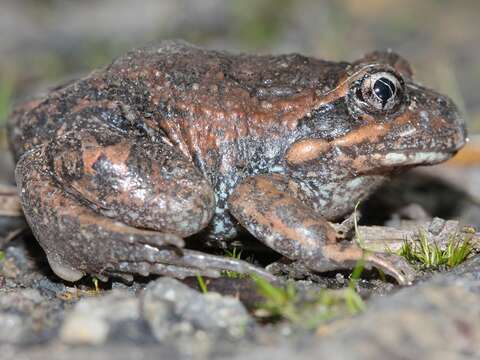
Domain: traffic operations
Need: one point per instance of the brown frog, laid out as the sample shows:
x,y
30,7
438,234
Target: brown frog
x,y
115,170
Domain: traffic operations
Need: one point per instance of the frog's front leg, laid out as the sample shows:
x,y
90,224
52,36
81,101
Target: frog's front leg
x,y
268,208
101,203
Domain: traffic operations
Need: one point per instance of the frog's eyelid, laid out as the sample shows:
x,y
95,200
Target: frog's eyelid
x,y
354,75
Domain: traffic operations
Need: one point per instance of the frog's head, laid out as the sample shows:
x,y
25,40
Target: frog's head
x,y
376,120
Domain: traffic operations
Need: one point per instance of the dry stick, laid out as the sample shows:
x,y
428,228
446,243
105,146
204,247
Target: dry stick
x,y
9,201
384,238
12,222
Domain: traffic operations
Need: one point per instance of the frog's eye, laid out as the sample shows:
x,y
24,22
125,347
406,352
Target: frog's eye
x,y
381,90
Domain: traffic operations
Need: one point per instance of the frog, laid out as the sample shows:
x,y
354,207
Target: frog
x,y
119,170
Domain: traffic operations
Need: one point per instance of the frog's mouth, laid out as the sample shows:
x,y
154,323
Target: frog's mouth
x,y
396,159
373,148
399,152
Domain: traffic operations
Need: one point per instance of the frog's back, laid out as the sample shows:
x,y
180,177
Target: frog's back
x,y
174,86
219,107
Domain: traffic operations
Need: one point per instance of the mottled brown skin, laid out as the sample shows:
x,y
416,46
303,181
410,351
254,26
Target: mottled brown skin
x,y
116,169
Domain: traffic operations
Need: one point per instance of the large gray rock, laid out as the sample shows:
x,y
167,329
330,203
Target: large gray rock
x,y
173,309
92,320
26,316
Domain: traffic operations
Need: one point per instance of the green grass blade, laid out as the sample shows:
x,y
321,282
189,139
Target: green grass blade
x,y
202,284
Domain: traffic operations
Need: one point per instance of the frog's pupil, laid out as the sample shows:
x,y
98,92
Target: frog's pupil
x,y
384,89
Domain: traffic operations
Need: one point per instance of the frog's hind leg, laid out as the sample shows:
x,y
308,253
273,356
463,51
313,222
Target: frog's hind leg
x,y
82,237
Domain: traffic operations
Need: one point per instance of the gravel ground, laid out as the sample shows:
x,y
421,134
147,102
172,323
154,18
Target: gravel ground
x,y
39,316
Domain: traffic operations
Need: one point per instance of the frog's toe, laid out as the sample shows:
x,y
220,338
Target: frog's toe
x,y
64,270
223,263
146,269
346,255
184,262
152,238
392,265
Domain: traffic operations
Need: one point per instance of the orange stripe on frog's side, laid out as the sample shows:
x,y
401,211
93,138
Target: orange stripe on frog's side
x,y
369,133
306,150
335,94
372,132
341,90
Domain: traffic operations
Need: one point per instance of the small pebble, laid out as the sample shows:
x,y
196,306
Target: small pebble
x,y
340,278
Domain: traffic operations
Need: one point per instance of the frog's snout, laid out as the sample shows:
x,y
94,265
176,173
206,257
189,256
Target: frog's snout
x,y
437,120
429,131
453,127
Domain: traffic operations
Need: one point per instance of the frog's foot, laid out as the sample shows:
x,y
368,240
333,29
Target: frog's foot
x,y
181,263
346,255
